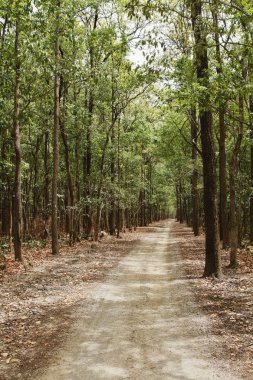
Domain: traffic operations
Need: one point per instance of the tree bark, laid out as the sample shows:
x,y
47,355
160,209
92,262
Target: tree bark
x,y
232,186
46,180
77,172
212,253
112,212
178,204
71,194
181,214
195,174
36,194
249,35
17,203
222,137
55,247
88,154
6,191
251,168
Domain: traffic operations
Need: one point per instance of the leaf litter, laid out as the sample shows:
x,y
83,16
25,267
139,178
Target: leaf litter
x,y
38,298
227,302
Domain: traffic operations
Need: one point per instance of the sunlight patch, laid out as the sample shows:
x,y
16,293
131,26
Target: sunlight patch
x,y
107,370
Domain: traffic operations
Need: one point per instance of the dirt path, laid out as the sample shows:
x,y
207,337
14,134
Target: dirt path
x,y
142,323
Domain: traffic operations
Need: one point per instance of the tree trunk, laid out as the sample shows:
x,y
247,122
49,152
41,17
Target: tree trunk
x,y
251,169
120,213
222,137
87,167
112,211
6,191
250,73
17,204
35,181
181,214
55,247
77,175
46,179
77,188
71,195
232,185
212,254
88,154
178,204
223,178
195,174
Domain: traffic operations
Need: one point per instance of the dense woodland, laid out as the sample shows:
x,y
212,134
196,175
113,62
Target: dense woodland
x,y
115,114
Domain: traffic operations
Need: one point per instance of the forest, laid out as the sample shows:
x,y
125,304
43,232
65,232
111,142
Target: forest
x,y
115,114
126,189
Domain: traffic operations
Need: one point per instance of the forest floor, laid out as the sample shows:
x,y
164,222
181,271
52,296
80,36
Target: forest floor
x,y
228,302
38,298
47,301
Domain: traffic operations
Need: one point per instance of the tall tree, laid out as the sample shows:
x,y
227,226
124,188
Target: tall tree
x,y
212,255
55,247
17,203
222,129
195,174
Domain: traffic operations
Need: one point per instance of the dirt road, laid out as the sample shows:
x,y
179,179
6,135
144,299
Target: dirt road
x,y
142,323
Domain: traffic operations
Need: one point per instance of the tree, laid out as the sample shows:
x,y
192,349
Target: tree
x,y
105,170
213,259
17,203
222,129
55,248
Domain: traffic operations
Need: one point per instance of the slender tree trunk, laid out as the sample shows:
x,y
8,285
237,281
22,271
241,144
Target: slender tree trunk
x,y
35,181
119,212
235,211
250,73
212,255
5,211
112,212
46,180
6,191
142,197
55,247
181,214
71,195
77,188
232,185
185,208
77,175
195,174
223,178
87,165
178,203
17,204
88,155
232,215
222,137
102,164
239,211
97,223
150,191
251,168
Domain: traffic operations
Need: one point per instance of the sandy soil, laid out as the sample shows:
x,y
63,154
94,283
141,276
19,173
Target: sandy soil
x,y
141,323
